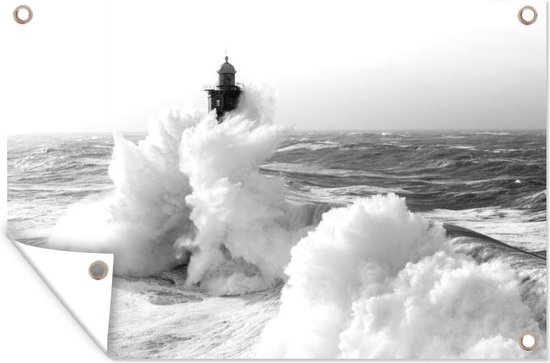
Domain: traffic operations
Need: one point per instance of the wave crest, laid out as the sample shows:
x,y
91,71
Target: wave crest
x,y
191,192
376,281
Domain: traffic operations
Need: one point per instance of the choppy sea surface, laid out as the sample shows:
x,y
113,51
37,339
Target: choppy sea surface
x,y
493,183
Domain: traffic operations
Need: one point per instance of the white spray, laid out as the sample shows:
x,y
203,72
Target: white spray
x,y
376,281
245,226
141,219
192,192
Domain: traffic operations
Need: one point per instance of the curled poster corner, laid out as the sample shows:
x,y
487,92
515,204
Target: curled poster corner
x,y
66,273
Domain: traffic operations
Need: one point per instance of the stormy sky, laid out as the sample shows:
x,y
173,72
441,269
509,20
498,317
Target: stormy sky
x,y
349,64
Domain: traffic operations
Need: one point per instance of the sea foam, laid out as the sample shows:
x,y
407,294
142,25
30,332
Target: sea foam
x,y
374,280
191,192
245,227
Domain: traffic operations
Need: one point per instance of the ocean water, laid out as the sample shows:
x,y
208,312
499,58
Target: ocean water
x,y
491,182
247,239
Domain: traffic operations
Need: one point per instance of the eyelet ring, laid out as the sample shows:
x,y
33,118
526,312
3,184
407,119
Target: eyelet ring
x,y
528,341
18,14
98,270
525,21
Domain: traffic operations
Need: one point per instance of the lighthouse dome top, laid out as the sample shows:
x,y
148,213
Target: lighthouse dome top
x,y
227,67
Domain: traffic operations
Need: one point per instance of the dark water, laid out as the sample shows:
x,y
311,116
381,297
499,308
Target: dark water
x,y
498,179
433,170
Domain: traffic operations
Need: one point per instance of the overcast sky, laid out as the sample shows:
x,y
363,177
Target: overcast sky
x,y
342,64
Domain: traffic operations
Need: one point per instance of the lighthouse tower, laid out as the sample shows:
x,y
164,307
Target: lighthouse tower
x,y
224,96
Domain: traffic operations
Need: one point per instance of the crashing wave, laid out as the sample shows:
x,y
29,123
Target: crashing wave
x,y
374,280
191,192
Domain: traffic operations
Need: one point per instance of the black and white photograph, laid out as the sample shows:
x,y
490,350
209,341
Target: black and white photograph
x,y
297,179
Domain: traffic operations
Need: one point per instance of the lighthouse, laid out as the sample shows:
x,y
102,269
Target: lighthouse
x,y
224,96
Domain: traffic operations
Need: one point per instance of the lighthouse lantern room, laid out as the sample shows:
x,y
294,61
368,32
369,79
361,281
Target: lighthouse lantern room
x,y
224,96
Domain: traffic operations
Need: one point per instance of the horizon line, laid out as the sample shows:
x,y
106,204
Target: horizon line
x,y
74,132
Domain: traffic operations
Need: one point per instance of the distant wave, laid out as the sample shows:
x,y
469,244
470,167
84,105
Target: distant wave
x,y
492,133
309,146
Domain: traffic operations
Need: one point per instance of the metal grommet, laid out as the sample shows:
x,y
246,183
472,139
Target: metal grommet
x,y
526,10
98,270
22,14
528,341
